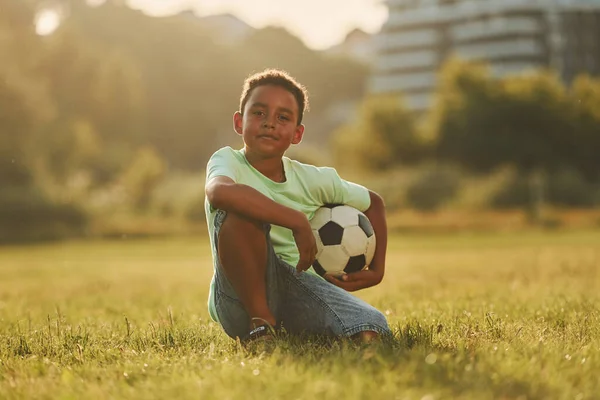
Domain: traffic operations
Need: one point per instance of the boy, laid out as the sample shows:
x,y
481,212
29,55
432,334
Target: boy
x,y
258,205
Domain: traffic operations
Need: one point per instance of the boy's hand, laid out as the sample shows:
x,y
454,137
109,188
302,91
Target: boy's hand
x,y
357,280
306,243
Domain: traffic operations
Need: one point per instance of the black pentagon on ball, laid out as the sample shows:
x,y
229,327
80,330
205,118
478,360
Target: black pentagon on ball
x,y
355,264
318,268
331,234
365,225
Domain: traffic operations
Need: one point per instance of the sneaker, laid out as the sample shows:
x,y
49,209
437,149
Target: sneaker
x,y
262,336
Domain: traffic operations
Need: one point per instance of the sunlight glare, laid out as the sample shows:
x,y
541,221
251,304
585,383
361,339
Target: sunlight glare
x,y
46,22
320,24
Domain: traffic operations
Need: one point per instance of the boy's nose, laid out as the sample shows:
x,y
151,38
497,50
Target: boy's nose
x,y
268,123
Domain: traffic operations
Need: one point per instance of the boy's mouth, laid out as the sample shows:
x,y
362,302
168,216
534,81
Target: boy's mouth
x,y
269,137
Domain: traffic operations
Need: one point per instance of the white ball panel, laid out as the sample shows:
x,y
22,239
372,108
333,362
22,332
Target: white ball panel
x,y
319,243
354,241
333,259
345,216
321,217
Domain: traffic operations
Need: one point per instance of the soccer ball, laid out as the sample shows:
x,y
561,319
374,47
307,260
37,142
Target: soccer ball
x,y
345,240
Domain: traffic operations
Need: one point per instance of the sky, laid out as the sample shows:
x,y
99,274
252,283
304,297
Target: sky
x,y
319,23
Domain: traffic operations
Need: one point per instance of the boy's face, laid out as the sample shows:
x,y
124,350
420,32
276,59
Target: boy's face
x,y
268,124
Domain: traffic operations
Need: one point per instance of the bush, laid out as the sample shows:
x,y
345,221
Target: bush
x,y
516,193
432,189
181,196
565,188
142,176
384,135
195,211
26,214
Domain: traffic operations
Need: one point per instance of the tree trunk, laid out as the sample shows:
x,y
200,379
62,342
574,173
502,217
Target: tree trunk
x,y
537,191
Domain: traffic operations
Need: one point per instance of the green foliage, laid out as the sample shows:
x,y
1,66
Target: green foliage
x,y
13,173
26,211
82,104
461,115
195,211
142,176
529,121
24,106
484,123
180,195
567,188
85,103
563,188
384,135
26,214
584,143
190,84
432,189
100,102
516,193
166,83
536,114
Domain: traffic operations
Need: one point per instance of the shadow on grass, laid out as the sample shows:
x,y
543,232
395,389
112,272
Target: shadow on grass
x,y
414,353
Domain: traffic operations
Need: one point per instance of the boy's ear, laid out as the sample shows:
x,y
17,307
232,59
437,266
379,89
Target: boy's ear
x,y
298,134
238,122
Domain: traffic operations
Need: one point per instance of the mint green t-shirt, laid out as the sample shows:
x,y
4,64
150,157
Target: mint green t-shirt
x,y
306,189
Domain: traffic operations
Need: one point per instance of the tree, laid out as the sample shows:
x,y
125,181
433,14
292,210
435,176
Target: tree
x,y
141,177
584,143
96,87
16,126
78,107
187,83
26,210
24,104
525,121
384,135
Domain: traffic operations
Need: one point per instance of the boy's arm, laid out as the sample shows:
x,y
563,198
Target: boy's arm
x,y
373,275
224,194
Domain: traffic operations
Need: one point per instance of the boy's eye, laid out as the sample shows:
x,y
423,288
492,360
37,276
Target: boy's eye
x,y
258,113
284,118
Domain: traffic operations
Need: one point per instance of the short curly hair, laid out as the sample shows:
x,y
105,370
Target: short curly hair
x,y
276,77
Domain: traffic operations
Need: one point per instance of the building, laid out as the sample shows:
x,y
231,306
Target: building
x,y
511,35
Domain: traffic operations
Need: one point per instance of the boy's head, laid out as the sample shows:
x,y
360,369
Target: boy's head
x,y
275,77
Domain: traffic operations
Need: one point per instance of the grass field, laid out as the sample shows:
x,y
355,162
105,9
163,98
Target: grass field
x,y
491,316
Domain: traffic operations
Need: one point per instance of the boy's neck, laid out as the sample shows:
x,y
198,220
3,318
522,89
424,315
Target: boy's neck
x,y
271,168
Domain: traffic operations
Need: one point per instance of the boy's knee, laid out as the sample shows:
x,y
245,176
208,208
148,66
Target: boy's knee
x,y
376,320
238,223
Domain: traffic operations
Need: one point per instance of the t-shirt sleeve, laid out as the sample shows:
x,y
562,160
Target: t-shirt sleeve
x,y
222,163
349,193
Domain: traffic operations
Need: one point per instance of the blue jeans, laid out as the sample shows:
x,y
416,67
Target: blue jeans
x,y
303,303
